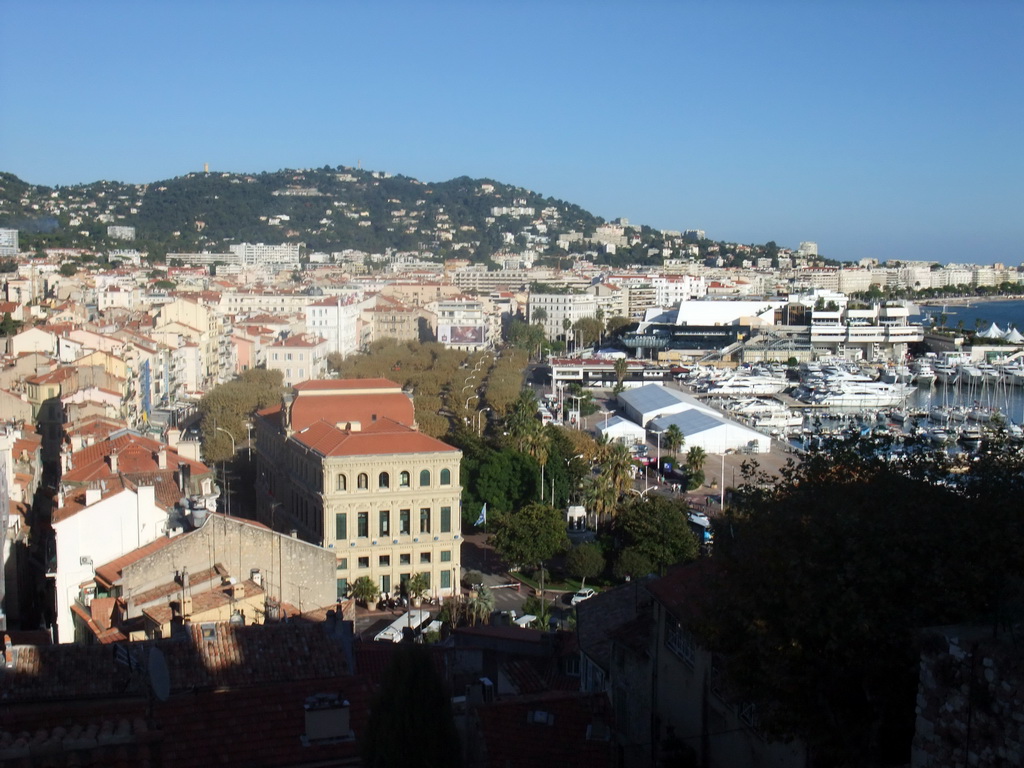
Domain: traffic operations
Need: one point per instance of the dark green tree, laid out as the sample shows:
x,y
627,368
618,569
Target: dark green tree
x,y
590,330
631,563
585,561
8,326
656,527
531,535
825,578
411,721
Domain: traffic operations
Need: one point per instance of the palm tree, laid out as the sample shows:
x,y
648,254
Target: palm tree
x,y
695,459
481,605
521,421
616,462
674,439
621,369
600,497
613,480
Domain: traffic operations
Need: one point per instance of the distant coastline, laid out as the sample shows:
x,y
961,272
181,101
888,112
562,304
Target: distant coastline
x,y
964,301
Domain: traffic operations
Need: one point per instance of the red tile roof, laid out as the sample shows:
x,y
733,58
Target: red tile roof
x,y
343,384
210,655
110,573
547,729
382,438
343,408
136,459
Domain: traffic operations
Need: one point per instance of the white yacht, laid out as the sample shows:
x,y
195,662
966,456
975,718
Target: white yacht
x,y
924,374
747,385
854,394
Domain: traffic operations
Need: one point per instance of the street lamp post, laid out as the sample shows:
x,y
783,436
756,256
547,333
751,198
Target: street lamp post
x,y
657,465
466,407
479,419
722,481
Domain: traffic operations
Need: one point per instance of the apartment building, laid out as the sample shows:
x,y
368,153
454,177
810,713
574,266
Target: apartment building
x,y
341,463
558,308
8,242
298,358
463,323
336,319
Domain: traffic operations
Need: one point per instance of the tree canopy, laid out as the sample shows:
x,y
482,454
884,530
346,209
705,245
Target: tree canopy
x,y
411,721
230,405
823,581
531,535
657,528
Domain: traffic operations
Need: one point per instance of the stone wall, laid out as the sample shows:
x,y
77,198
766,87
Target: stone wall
x,y
292,570
969,700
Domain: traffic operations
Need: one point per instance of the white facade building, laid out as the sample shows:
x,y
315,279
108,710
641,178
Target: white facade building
x,y
672,289
101,529
560,307
260,254
299,358
8,242
336,320
463,323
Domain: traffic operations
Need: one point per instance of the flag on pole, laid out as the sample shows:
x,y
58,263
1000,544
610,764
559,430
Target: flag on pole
x,y
482,520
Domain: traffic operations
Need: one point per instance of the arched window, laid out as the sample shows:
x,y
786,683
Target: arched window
x,y
383,480
403,480
424,478
363,481
342,483
446,477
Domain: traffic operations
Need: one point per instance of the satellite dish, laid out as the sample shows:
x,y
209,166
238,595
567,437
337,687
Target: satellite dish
x,y
159,677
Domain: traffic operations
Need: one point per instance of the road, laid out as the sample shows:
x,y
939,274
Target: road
x,y
478,555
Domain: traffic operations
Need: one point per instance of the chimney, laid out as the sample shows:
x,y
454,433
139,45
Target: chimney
x,y
173,436
237,591
189,449
161,458
186,606
256,577
184,477
112,461
286,411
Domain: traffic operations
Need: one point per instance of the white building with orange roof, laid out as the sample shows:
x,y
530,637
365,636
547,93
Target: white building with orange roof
x,y
298,358
91,527
336,319
32,340
342,464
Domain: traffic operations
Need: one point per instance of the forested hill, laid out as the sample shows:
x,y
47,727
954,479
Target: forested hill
x,y
327,209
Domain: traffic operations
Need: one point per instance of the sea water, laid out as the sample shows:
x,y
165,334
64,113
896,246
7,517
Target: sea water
x,y
978,315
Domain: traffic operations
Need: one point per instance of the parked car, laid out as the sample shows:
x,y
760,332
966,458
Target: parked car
x,y
584,594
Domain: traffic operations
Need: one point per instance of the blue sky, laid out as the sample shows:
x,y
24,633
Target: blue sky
x,y
877,129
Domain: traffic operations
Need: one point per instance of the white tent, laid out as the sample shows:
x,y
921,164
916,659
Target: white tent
x,y
621,430
1014,336
992,332
652,400
713,433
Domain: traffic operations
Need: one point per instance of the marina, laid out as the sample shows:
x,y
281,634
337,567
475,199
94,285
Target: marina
x,y
938,401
